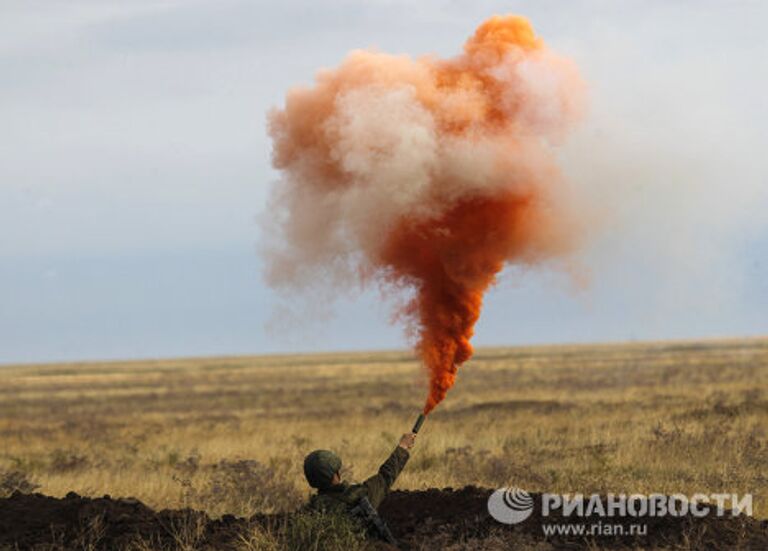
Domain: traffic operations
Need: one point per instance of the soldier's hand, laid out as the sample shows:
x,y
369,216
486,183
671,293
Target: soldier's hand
x,y
407,440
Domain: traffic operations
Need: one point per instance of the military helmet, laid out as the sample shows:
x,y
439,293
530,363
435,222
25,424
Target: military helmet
x,y
319,468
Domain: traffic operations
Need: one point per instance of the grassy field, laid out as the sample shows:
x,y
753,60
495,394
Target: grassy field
x,y
229,434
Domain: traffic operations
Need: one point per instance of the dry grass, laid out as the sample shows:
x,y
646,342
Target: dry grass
x,y
229,434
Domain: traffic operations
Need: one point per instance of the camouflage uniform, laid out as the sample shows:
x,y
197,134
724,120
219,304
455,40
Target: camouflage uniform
x,y
341,498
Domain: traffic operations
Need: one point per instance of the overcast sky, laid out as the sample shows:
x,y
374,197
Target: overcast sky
x,y
134,163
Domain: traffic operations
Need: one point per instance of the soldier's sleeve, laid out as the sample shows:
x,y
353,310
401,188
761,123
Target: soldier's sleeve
x,y
378,485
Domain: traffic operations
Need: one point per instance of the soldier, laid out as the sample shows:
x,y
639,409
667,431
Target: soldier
x,y
321,467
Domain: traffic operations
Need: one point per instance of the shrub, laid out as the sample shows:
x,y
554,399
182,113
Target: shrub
x,y
65,461
245,487
13,481
311,531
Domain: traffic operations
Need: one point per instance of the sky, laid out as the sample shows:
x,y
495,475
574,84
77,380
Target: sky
x,y
135,166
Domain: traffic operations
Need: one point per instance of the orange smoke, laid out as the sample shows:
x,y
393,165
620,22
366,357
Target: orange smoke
x,y
428,175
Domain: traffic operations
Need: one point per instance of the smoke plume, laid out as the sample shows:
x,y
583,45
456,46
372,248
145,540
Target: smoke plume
x,y
426,176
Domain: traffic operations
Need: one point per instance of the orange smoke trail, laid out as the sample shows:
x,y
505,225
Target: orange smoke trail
x,y
453,260
429,174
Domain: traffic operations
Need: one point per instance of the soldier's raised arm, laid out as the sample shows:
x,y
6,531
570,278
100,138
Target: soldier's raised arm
x,y
379,484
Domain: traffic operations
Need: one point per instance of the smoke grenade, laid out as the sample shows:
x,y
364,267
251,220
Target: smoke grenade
x,y
419,421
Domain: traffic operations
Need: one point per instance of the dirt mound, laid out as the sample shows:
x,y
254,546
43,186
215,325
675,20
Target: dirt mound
x,y
35,521
429,519
462,516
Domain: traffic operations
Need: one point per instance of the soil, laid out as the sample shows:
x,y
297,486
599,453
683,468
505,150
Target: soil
x,y
428,519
